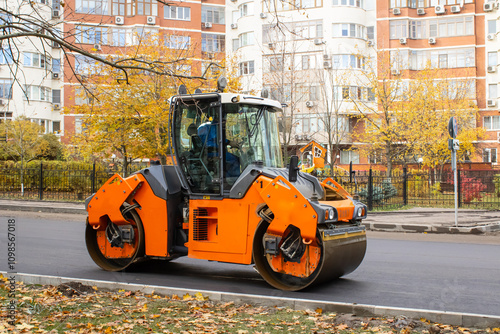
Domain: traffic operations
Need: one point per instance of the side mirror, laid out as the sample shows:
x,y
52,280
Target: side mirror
x,y
293,168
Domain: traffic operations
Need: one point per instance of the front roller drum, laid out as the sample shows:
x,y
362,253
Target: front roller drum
x,y
113,247
334,253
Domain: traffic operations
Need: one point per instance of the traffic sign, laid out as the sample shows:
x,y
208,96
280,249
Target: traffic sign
x,y
453,127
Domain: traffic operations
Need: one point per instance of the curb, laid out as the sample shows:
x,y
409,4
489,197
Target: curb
x,y
450,318
46,209
427,228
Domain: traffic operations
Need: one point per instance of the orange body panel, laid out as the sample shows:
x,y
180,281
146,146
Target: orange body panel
x,y
109,198
289,207
153,213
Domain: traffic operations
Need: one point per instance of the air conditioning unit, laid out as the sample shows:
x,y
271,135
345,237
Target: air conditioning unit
x,y
210,55
439,9
119,20
491,103
263,15
56,75
309,104
151,20
370,42
432,40
55,14
298,137
206,24
455,9
55,45
396,11
492,69
2,102
488,6
491,37
97,47
326,57
327,64
234,25
395,71
402,40
270,45
420,11
318,41
57,106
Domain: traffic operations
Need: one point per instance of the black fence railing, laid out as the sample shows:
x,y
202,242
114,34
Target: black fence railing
x,y
478,189
54,184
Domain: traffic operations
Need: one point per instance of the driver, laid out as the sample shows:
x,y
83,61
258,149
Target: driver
x,y
208,134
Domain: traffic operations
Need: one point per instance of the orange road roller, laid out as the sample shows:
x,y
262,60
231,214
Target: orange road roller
x,y
228,198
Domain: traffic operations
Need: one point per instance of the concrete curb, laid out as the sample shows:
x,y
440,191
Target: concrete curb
x,y
428,228
46,209
450,318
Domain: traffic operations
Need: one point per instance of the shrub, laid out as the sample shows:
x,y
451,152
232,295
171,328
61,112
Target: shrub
x,y
386,191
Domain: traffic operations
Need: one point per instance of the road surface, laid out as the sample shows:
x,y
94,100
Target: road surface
x,y
437,272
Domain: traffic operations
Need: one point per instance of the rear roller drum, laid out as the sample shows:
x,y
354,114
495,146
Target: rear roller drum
x,y
115,247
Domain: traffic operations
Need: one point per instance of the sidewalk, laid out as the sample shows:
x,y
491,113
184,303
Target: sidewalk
x,y
420,220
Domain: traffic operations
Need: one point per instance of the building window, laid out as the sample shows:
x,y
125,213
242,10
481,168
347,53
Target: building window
x,y
492,26
245,9
306,62
99,7
82,97
118,7
349,30
314,93
37,93
56,96
119,36
35,60
491,122
492,91
91,35
489,155
213,14
355,3
370,32
82,64
6,56
56,65
147,7
5,88
177,42
56,127
177,13
307,29
348,61
246,39
275,64
347,156
397,3
247,67
212,43
493,58
236,44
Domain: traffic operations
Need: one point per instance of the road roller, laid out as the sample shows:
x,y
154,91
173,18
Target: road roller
x,y
228,197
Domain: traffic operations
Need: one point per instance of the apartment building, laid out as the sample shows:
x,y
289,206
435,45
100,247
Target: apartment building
x,y
306,56
454,35
30,67
102,26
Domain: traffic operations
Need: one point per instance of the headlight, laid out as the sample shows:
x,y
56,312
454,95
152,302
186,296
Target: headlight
x,y
331,214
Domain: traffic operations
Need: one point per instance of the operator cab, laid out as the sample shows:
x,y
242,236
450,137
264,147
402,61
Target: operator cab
x,y
217,135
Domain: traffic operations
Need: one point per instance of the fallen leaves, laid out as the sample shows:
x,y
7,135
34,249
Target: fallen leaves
x,y
60,309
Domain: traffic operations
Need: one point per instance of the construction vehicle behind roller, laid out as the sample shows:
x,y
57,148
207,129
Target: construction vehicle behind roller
x,y
228,198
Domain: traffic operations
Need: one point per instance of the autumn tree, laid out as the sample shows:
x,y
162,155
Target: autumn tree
x,y
412,110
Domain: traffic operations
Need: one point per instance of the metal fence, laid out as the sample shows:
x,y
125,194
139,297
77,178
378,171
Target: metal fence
x,y
477,189
53,184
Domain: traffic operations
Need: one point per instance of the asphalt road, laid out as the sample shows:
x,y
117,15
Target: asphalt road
x,y
459,273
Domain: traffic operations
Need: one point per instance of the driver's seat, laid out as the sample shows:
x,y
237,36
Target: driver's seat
x,y
196,142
